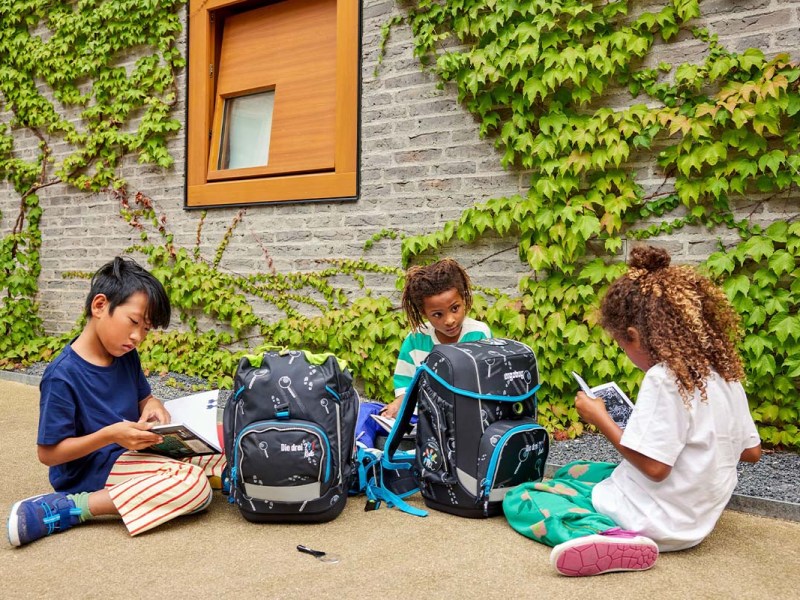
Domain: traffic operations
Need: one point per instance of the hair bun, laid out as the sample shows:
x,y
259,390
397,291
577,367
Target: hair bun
x,y
649,258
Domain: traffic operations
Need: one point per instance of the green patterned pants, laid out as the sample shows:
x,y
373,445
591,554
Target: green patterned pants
x,y
560,509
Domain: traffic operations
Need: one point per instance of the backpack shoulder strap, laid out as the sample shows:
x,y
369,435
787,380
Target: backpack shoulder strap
x,y
402,426
377,493
394,460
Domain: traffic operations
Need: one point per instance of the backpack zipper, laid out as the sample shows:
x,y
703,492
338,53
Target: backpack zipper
x,y
491,471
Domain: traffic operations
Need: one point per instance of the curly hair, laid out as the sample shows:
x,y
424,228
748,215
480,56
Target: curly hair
x,y
684,320
431,280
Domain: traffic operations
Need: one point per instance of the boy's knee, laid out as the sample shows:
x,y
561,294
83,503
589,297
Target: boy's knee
x,y
201,491
203,498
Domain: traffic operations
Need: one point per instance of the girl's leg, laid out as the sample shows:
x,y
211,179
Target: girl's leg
x,y
148,490
585,471
560,513
554,511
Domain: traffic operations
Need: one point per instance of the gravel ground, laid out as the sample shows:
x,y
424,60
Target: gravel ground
x,y
774,477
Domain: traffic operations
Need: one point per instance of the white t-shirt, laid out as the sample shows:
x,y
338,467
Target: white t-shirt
x,y
702,445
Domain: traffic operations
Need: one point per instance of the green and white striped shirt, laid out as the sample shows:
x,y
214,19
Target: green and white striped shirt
x,y
419,343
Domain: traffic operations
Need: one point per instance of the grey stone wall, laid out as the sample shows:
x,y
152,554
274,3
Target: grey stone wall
x,y
422,163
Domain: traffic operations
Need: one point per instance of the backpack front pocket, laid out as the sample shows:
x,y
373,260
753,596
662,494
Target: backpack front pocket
x,y
511,452
282,461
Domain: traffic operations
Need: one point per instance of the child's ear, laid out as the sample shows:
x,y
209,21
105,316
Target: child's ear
x,y
99,304
633,336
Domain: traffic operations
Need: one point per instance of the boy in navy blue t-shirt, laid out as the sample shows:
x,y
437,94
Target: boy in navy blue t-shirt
x,y
96,411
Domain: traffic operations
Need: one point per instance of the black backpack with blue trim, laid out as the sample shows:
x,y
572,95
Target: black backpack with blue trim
x,y
289,432
477,435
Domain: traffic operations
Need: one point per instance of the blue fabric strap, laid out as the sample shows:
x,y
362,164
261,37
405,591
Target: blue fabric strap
x,y
381,494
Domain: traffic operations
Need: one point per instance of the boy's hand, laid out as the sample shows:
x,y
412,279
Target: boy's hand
x,y
151,409
133,436
592,410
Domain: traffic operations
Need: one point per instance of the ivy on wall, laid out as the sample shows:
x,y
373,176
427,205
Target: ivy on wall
x,y
537,75
724,131
95,105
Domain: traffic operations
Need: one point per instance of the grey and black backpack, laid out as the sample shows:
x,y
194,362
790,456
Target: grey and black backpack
x,y
289,431
477,435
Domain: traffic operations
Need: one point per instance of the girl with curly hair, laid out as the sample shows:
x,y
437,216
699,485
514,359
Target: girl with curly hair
x,y
690,427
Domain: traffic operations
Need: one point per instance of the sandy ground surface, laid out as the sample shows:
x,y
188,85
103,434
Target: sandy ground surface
x,y
383,554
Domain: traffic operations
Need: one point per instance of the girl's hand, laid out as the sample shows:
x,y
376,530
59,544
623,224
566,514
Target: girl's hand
x,y
133,436
591,410
151,409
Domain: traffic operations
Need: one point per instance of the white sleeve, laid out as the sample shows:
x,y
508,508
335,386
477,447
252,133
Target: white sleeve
x,y
749,431
659,424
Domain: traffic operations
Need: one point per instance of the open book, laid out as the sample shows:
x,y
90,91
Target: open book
x,y
193,430
388,422
618,405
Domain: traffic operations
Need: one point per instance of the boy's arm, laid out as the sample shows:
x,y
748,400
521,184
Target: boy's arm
x,y
403,375
391,409
132,436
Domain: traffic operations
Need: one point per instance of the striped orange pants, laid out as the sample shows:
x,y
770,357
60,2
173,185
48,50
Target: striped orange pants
x,y
148,489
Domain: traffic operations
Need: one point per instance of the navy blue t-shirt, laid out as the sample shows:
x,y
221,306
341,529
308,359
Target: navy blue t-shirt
x,y
79,398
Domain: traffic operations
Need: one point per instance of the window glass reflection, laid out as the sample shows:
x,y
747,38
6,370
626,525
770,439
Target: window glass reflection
x,y
246,127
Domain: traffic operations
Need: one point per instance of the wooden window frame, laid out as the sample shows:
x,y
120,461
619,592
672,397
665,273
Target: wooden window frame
x,y
339,184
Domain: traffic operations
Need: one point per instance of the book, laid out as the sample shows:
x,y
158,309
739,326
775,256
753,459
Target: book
x,y
618,405
388,422
193,430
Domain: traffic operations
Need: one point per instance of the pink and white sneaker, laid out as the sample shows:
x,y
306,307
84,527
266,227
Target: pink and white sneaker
x,y
612,550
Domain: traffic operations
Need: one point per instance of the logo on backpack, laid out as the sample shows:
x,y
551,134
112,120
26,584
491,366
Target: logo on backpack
x,y
517,375
307,447
431,456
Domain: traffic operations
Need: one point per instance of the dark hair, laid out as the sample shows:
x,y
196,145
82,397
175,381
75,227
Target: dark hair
x,y
685,321
119,279
431,280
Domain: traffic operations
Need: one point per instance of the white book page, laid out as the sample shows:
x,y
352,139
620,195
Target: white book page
x,y
583,385
387,423
198,412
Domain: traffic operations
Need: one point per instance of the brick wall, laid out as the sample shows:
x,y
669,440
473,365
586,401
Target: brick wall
x,y
422,163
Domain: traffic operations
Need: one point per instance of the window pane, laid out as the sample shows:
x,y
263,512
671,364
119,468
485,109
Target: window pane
x,y
246,127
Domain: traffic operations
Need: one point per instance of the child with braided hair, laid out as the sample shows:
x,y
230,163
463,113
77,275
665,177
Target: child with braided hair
x,y
436,299
690,427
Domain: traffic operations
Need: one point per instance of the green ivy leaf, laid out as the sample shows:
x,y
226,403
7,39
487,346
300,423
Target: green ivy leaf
x,y
781,262
785,327
758,247
736,285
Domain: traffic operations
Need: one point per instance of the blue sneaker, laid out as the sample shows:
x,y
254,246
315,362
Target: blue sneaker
x,y
41,515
